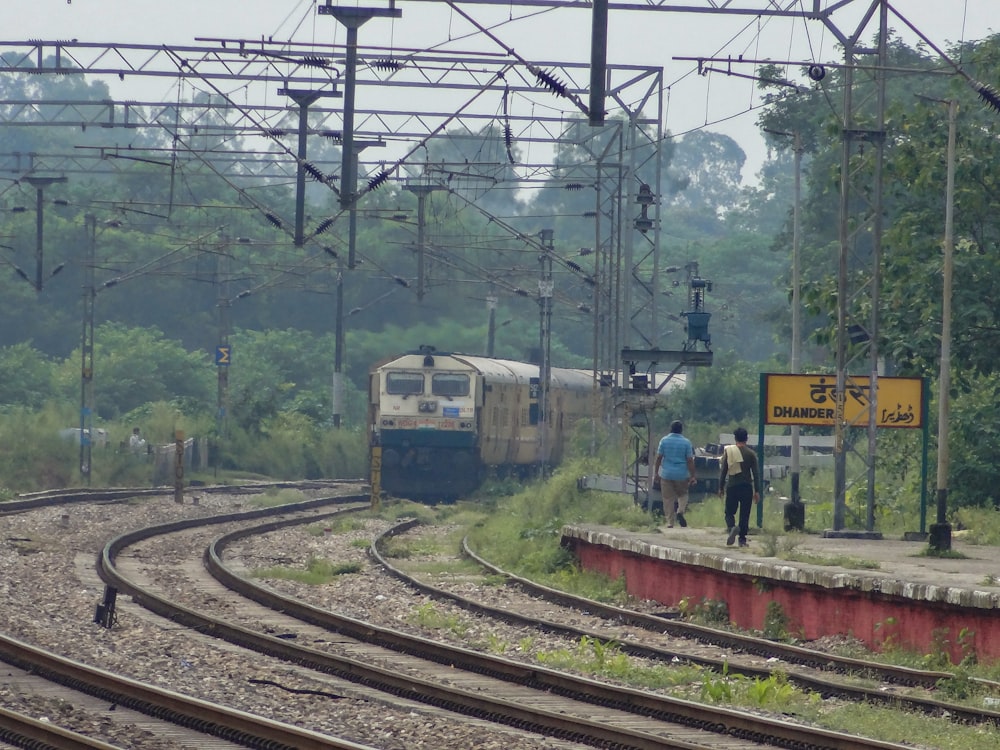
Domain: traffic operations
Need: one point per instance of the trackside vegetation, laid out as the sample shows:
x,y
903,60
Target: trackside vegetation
x,y
520,532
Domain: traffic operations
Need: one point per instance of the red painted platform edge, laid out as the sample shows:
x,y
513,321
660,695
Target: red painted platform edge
x,y
881,612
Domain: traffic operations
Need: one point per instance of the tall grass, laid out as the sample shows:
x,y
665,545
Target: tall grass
x,y
34,457
524,533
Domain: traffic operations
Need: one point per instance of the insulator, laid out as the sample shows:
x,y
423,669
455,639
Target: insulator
x,y
387,64
401,281
989,96
508,139
330,251
574,186
274,132
335,135
324,225
550,82
273,220
574,266
520,293
313,172
315,62
376,182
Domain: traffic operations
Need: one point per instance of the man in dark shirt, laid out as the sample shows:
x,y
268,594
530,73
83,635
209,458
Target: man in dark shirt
x,y
739,465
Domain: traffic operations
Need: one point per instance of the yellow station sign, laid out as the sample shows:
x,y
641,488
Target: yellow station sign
x,y
812,400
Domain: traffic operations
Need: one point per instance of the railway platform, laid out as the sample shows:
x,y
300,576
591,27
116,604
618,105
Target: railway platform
x,y
887,593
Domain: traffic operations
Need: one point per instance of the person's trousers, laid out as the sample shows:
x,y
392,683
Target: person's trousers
x,y
739,500
675,498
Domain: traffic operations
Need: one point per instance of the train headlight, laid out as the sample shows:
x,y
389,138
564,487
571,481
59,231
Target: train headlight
x,y
388,422
427,406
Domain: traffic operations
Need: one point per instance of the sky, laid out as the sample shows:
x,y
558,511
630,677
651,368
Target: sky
x,y
722,103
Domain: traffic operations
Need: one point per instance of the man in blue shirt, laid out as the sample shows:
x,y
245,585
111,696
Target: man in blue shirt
x,y
675,467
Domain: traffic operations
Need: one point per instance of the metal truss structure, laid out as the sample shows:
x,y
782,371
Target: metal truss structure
x,y
469,92
234,82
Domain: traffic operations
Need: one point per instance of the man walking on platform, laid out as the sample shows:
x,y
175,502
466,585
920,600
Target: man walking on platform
x,y
675,467
739,465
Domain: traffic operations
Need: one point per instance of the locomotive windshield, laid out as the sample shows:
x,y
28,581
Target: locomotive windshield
x,y
404,383
450,384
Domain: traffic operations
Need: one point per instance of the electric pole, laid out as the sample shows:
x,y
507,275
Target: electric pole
x,y
40,183
545,289
87,352
940,532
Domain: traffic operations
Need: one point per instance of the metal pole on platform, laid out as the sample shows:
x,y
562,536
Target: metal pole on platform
x,y
940,536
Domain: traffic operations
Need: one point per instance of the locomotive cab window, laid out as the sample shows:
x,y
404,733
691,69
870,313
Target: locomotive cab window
x,y
404,383
450,384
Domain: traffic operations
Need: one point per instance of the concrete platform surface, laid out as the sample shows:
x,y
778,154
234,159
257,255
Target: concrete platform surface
x,y
898,562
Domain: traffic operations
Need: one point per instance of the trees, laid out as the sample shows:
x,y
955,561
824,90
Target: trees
x,y
915,174
137,366
25,377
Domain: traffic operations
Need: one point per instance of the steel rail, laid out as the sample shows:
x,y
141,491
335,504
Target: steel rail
x,y
927,679
22,730
237,726
721,720
739,641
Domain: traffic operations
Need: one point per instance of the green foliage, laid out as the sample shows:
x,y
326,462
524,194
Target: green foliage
x,y
34,456
275,372
495,645
974,476
960,686
276,496
340,524
316,573
290,446
726,393
605,659
523,534
773,691
160,421
711,612
978,525
719,689
135,366
430,617
25,377
775,622
157,320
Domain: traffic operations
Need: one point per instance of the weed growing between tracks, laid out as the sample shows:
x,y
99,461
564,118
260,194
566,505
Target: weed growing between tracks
x,y
522,534
316,572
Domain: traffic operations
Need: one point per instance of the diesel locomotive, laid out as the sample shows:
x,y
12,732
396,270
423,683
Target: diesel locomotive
x,y
442,420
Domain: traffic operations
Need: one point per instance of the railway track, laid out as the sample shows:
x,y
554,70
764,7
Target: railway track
x,y
387,653
779,656
21,730
238,728
484,686
60,694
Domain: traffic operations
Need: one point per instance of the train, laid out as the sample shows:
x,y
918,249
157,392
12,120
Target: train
x,y
442,421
